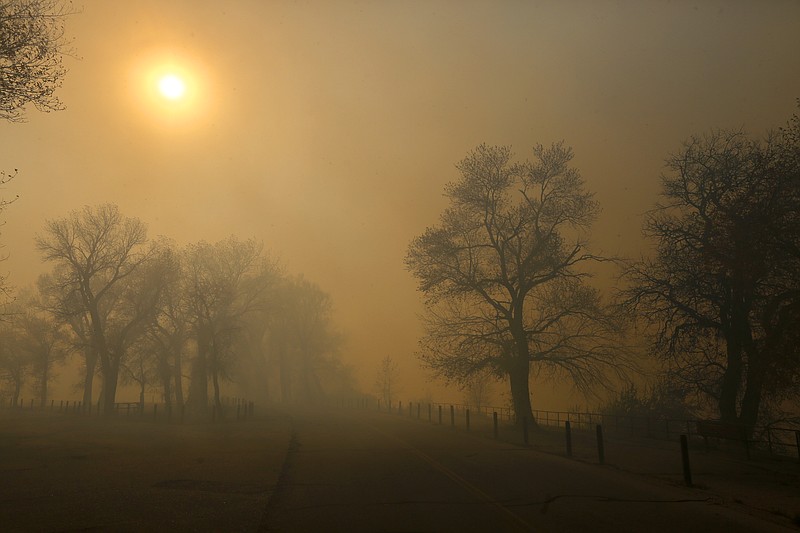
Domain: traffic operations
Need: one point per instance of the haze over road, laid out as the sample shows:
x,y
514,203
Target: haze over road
x,y
370,472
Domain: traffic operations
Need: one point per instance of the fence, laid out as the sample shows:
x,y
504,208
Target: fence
x,y
772,440
767,440
229,409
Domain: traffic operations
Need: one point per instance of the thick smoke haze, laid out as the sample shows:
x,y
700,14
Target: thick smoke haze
x,y
329,129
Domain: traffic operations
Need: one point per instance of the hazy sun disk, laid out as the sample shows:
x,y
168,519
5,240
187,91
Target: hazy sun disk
x,y
171,86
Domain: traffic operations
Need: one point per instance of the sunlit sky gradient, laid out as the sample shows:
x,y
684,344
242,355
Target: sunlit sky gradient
x,y
328,129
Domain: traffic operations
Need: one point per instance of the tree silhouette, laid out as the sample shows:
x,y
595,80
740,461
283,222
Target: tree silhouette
x,y
723,290
503,277
31,48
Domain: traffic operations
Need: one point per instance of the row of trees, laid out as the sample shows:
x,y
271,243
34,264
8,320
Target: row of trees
x,y
145,312
505,275
141,311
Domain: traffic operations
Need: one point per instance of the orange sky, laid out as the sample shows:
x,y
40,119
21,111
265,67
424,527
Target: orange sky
x,y
328,129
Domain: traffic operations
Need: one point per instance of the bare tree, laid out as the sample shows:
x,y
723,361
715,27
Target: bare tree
x,y
503,278
723,289
314,340
168,334
139,369
303,342
41,338
478,389
66,310
95,250
386,380
32,44
216,275
14,361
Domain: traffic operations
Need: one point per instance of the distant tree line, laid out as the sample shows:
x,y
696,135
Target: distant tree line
x,y
505,276
181,321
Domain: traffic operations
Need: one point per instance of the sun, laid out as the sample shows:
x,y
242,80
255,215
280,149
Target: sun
x,y
171,87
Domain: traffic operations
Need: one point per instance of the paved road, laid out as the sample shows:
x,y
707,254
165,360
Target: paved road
x,y
363,471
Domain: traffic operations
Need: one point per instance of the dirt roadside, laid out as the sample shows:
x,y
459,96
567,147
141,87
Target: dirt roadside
x,y
62,473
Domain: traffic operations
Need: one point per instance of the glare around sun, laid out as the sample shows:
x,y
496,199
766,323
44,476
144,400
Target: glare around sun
x,y
171,87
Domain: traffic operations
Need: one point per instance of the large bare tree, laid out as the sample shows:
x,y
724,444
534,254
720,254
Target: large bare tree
x,y
503,276
95,250
723,289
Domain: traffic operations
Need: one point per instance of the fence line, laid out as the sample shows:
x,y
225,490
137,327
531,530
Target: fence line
x,y
230,408
773,440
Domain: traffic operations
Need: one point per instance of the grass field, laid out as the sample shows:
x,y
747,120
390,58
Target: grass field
x,y
62,473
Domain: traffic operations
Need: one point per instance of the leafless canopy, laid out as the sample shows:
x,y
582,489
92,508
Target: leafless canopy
x,y
722,289
504,279
32,44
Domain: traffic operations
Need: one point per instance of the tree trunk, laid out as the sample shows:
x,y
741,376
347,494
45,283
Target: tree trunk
x,y
215,382
751,401
213,361
731,379
101,351
88,380
110,378
178,374
198,388
519,376
45,378
286,377
166,382
520,367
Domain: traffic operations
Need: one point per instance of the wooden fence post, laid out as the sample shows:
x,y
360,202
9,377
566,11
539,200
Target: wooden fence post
x,y
452,416
467,415
494,420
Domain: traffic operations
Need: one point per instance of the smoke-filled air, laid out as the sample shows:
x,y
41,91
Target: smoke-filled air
x,y
395,266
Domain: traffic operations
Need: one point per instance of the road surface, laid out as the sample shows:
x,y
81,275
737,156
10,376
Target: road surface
x,y
364,471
